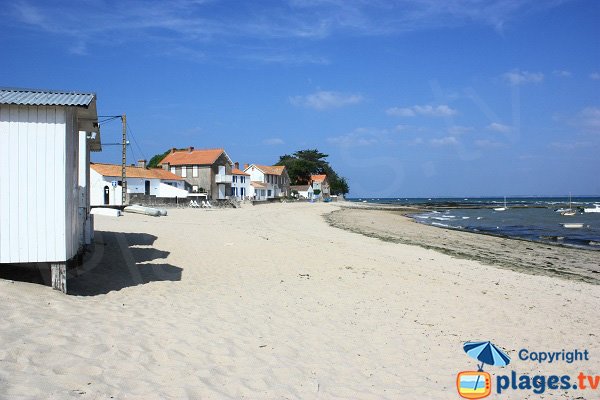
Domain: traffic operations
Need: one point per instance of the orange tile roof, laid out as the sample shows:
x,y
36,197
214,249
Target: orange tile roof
x,y
318,178
236,171
259,185
194,157
271,169
134,172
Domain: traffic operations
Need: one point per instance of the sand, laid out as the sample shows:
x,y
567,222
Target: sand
x,y
519,255
271,302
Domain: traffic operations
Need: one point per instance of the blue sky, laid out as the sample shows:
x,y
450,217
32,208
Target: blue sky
x,y
409,98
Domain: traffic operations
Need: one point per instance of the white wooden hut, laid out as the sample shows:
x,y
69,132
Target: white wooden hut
x,y
45,143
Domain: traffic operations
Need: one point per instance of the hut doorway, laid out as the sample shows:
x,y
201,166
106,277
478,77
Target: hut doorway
x,y
147,188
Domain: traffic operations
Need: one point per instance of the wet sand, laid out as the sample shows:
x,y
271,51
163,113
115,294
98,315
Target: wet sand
x,y
391,224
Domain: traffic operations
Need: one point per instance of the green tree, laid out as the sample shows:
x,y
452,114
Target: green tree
x,y
157,158
304,163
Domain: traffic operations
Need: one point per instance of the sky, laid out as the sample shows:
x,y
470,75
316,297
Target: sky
x,y
409,98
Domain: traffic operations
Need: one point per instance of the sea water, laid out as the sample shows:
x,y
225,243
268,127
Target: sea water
x,y
530,218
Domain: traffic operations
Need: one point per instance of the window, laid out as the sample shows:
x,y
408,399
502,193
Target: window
x,y
195,171
173,169
234,179
242,192
184,171
234,191
242,179
269,193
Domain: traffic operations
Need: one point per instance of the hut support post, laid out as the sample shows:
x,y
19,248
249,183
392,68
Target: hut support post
x,y
59,276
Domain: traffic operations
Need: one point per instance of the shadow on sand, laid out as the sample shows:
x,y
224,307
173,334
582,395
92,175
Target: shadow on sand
x,y
117,260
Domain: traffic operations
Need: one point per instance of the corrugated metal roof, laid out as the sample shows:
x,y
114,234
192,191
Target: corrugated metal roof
x,y
35,97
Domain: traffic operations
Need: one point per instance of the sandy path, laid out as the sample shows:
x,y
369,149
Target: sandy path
x,y
269,302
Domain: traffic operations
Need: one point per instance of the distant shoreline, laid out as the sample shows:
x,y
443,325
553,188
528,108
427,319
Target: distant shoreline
x,y
393,224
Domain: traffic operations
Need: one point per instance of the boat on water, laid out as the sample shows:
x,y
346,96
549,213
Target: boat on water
x,y
569,212
595,209
501,208
573,225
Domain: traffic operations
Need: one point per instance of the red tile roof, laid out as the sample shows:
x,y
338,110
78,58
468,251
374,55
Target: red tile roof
x,y
134,172
318,178
271,169
236,171
194,157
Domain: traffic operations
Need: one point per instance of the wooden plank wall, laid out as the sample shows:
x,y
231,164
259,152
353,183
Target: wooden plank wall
x,y
33,191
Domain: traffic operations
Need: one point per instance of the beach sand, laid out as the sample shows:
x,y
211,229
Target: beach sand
x,y
271,302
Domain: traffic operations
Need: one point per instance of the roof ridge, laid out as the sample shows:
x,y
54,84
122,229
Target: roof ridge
x,y
17,89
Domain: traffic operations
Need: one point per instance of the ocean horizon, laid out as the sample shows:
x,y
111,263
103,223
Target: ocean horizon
x,y
534,218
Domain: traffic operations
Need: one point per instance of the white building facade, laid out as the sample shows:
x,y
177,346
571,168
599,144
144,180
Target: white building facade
x,y
240,186
45,141
275,179
106,185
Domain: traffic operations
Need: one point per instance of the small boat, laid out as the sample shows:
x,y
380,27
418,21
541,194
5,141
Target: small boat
x,y
573,225
569,212
595,209
501,208
137,209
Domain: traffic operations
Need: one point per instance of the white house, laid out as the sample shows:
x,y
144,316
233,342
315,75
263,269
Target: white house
x,y
106,185
321,183
258,191
304,191
206,171
275,178
45,143
240,186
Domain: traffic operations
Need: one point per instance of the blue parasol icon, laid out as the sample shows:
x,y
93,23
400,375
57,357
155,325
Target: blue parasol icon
x,y
487,353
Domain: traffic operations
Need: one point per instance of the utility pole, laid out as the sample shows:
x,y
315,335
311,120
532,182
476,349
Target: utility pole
x,y
124,161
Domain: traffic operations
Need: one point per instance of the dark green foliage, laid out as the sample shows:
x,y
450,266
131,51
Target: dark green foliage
x,y
153,163
304,163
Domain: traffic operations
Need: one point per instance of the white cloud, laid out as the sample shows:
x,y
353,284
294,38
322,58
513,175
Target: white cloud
x,y
426,110
595,76
445,141
273,141
458,130
196,23
498,127
562,73
488,144
570,145
323,100
516,77
589,119
359,137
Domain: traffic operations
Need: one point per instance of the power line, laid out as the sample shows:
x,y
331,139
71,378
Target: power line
x,y
136,142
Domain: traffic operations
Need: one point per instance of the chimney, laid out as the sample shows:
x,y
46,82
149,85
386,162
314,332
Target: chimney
x,y
191,148
236,165
141,163
173,150
245,166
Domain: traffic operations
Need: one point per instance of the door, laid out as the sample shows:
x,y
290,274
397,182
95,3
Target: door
x,y
147,188
106,195
221,192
